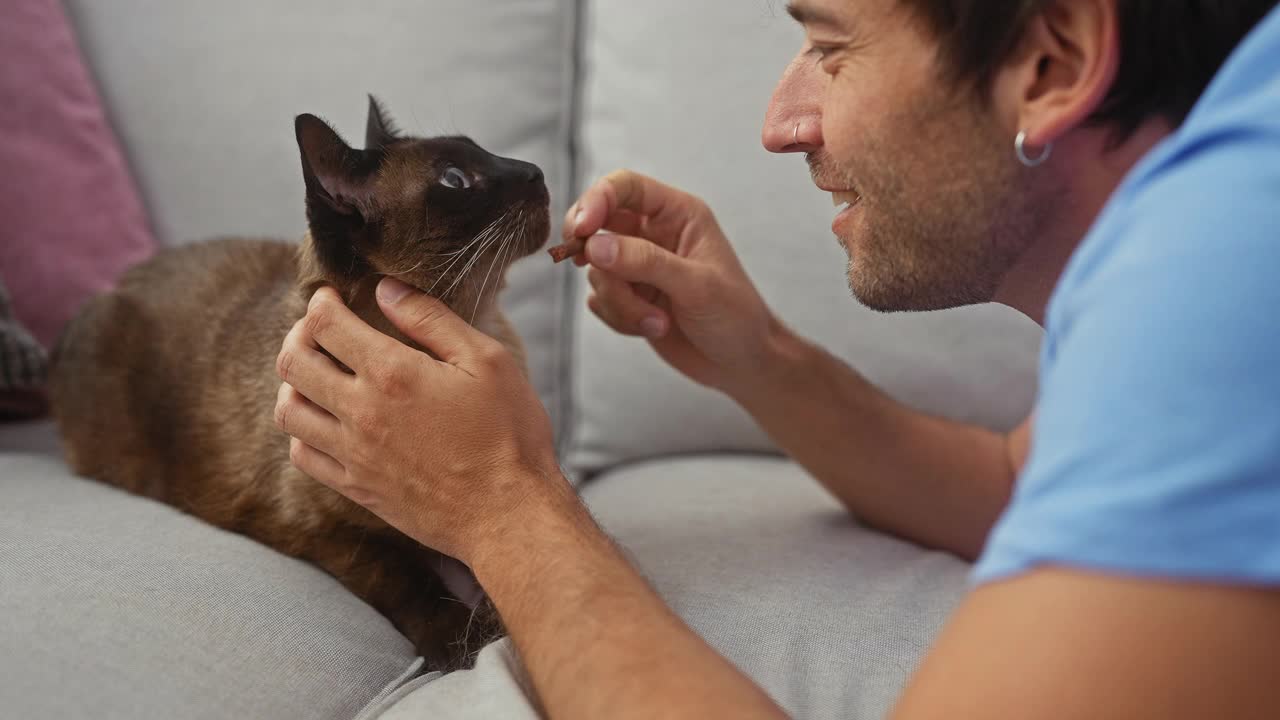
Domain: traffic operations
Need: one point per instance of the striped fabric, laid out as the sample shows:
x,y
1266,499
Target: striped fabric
x,y
22,365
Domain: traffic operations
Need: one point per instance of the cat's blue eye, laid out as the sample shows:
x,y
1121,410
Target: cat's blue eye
x,y
455,179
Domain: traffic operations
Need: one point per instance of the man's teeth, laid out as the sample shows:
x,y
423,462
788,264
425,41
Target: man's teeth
x,y
844,198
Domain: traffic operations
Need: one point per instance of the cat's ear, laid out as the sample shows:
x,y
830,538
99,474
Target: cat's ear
x,y
337,176
380,131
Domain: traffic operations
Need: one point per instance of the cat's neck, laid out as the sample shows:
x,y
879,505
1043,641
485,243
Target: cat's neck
x,y
359,295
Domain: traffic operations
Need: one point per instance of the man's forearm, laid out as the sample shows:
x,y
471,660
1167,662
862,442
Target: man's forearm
x,y
933,481
595,639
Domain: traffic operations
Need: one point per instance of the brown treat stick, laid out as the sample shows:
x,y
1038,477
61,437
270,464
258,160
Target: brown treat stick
x,y
569,249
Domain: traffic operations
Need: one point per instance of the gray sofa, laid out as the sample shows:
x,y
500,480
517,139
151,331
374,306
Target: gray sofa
x,y
112,606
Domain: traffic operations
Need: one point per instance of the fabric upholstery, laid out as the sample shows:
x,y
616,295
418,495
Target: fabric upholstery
x,y
208,93
30,437
72,217
496,687
691,115
113,606
828,617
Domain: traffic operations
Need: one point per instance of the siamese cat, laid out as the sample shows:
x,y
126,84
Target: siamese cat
x,y
166,385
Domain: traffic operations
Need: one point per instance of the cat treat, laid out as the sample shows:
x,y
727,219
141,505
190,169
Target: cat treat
x,y
569,249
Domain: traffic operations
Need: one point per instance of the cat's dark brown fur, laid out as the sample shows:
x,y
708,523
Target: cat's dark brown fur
x,y
166,385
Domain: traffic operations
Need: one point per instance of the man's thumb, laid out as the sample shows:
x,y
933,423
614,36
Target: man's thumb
x,y
639,260
425,320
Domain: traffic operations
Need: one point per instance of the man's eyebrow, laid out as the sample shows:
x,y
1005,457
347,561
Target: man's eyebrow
x,y
808,15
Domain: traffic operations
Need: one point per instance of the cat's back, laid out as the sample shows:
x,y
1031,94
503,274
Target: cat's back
x,y
214,275
150,374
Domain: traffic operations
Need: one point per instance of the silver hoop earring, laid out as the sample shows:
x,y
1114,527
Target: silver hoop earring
x,y
1019,147
795,136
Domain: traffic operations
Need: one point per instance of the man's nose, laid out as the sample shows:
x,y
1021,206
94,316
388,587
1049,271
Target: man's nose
x,y
793,122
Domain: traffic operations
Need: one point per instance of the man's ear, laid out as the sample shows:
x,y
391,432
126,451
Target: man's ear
x,y
336,175
1064,68
380,131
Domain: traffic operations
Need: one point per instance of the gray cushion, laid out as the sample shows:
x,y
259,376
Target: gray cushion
x,y
112,606
30,437
496,687
828,617
691,115
203,96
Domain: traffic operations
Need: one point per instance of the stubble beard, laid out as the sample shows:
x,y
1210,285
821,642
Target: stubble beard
x,y
944,218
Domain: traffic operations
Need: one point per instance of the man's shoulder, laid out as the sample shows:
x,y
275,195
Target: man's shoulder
x,y
1201,212
1157,436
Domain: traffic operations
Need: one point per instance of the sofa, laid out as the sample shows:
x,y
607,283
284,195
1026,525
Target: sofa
x,y
113,606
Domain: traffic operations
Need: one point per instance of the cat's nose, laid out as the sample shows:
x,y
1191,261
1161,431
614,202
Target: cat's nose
x,y
519,172
527,171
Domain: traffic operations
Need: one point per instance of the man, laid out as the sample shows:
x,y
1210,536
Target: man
x,y
1135,572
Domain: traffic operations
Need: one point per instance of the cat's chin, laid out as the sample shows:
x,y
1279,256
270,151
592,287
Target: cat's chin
x,y
538,228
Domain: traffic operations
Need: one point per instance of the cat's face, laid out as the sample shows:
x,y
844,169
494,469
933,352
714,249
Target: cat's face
x,y
441,214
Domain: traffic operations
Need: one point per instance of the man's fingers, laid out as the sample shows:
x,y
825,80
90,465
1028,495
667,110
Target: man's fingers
x,y
429,322
303,366
624,193
623,221
639,261
617,303
306,421
332,325
317,465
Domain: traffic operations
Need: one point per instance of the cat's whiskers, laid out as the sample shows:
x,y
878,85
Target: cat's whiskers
x,y
423,260
502,250
519,234
483,235
454,255
471,263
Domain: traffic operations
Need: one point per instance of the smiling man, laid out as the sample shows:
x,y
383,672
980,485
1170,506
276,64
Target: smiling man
x,y
1092,163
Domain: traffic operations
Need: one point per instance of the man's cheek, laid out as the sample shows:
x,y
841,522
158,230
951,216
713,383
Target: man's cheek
x,y
839,122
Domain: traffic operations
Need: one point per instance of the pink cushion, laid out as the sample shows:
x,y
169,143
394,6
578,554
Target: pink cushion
x,y
72,219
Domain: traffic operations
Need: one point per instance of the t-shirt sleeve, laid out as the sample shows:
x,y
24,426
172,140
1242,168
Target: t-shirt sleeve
x,y
1156,446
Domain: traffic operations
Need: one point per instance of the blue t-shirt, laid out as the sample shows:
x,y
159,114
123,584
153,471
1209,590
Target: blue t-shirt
x,y
1156,444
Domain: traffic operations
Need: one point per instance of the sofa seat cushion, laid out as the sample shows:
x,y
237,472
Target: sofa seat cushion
x,y
30,437
829,617
114,606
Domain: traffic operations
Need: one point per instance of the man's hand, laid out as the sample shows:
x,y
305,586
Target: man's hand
x,y
457,454
443,450
666,272
938,483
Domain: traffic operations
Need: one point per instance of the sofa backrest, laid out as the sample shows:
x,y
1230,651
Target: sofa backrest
x,y
203,96
678,90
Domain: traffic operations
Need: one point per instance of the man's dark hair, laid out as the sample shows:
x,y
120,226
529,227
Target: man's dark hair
x,y
1169,49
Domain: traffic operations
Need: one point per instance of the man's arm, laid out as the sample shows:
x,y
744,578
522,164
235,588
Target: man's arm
x,y
457,454
666,272
1059,644
595,638
936,482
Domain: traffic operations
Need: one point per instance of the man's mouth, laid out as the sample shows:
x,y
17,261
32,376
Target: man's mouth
x,y
847,198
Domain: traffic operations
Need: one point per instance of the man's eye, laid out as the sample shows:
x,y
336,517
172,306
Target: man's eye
x,y
821,51
455,179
